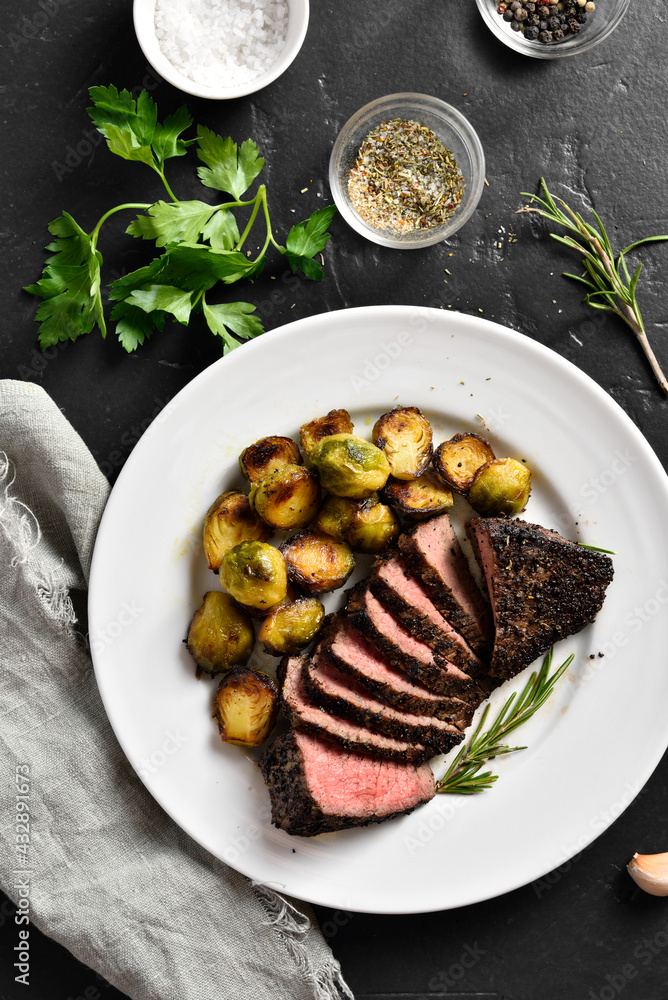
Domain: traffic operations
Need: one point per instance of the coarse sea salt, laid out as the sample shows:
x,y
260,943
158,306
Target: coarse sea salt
x,y
221,43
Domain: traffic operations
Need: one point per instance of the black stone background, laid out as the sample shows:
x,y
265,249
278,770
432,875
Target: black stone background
x,y
595,126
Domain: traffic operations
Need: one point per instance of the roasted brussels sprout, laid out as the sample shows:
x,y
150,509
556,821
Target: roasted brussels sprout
x,y
336,422
245,707
501,488
317,562
291,626
404,435
220,635
287,498
230,520
266,455
349,466
255,574
334,516
457,461
373,527
418,498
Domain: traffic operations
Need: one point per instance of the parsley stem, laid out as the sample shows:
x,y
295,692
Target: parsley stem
x,y
164,181
112,211
259,199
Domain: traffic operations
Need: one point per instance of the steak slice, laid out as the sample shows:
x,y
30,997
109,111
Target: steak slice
x,y
352,655
433,554
369,616
407,601
338,694
303,714
317,787
541,587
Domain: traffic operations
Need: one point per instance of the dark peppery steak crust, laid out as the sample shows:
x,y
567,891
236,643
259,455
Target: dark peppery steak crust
x,y
303,714
299,771
433,554
332,690
542,587
416,658
354,656
407,601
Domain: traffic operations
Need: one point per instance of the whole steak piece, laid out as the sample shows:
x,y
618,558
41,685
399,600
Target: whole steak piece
x,y
541,586
317,787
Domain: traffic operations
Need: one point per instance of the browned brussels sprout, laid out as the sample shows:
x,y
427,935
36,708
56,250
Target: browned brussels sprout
x,y
418,499
335,515
291,626
349,466
457,461
220,635
501,488
287,498
373,527
230,520
336,422
317,562
245,707
404,435
255,574
266,455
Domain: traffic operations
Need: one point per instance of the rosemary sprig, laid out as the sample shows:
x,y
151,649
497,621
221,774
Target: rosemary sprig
x,y
612,287
596,548
463,776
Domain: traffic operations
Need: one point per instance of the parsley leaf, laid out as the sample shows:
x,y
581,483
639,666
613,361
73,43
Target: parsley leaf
x,y
307,239
169,222
131,127
70,285
236,316
222,230
228,167
133,325
165,298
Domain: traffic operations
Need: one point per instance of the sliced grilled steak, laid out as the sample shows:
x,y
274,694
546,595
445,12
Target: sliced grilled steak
x,y
407,601
303,714
541,587
433,553
338,694
352,655
316,787
369,616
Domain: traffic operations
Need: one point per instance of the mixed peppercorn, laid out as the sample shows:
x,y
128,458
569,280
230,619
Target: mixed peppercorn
x,y
546,22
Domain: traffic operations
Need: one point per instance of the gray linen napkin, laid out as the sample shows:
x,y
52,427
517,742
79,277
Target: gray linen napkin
x,y
102,869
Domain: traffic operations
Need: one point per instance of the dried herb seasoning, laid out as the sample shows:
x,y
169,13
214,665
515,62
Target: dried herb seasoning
x,y
405,178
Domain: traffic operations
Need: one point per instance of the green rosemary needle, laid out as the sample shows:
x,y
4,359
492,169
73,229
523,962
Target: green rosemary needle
x,y
612,287
596,548
464,775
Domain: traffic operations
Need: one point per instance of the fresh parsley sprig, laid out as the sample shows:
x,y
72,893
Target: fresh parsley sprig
x,y
201,243
464,775
612,287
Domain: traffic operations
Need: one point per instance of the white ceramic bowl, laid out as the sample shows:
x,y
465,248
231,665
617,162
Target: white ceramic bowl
x,y
144,20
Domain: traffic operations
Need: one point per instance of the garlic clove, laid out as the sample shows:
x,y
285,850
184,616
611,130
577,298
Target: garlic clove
x,y
650,872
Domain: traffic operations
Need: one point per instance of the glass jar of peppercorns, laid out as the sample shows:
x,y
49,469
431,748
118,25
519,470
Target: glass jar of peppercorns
x,y
546,22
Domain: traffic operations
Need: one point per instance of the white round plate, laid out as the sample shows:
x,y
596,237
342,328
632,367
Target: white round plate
x,y
590,749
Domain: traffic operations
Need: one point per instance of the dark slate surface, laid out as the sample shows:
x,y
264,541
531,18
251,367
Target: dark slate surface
x,y
593,125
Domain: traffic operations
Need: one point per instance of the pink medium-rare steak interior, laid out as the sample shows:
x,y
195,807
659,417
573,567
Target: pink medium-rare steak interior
x,y
386,624
349,784
442,548
363,661
304,712
397,575
340,685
